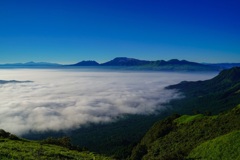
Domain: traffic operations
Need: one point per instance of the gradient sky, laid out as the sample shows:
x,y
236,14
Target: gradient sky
x,y
68,31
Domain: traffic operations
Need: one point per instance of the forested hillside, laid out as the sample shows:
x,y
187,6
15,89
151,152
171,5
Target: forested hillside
x,y
213,123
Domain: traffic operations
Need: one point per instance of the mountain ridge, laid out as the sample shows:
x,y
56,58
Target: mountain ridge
x,y
30,63
161,65
124,61
135,64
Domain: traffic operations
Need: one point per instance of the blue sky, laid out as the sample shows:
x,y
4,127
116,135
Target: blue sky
x,y
68,31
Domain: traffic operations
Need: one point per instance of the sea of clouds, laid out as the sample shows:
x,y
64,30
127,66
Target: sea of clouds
x,y
49,99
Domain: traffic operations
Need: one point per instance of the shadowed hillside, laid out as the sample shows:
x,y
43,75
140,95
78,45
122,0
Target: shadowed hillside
x,y
212,96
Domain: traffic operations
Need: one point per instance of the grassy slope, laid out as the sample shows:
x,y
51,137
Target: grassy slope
x,y
175,137
25,149
224,147
187,118
110,139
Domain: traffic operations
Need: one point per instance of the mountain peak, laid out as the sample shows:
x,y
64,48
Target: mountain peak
x,y
124,61
122,58
87,63
31,62
173,60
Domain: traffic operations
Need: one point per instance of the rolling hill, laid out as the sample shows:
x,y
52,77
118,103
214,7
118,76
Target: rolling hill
x,y
192,137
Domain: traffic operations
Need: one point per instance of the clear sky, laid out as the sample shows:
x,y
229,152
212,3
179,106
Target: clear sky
x,y
68,31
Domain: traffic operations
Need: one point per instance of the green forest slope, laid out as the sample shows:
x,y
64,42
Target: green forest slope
x,y
183,137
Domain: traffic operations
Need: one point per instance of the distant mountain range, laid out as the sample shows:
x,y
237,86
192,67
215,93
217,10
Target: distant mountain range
x,y
174,64
30,64
136,64
223,65
124,61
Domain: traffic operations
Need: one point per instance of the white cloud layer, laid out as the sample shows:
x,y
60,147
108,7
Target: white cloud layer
x,y
66,99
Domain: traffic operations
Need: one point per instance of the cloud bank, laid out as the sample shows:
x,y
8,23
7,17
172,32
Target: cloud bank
x,y
66,99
